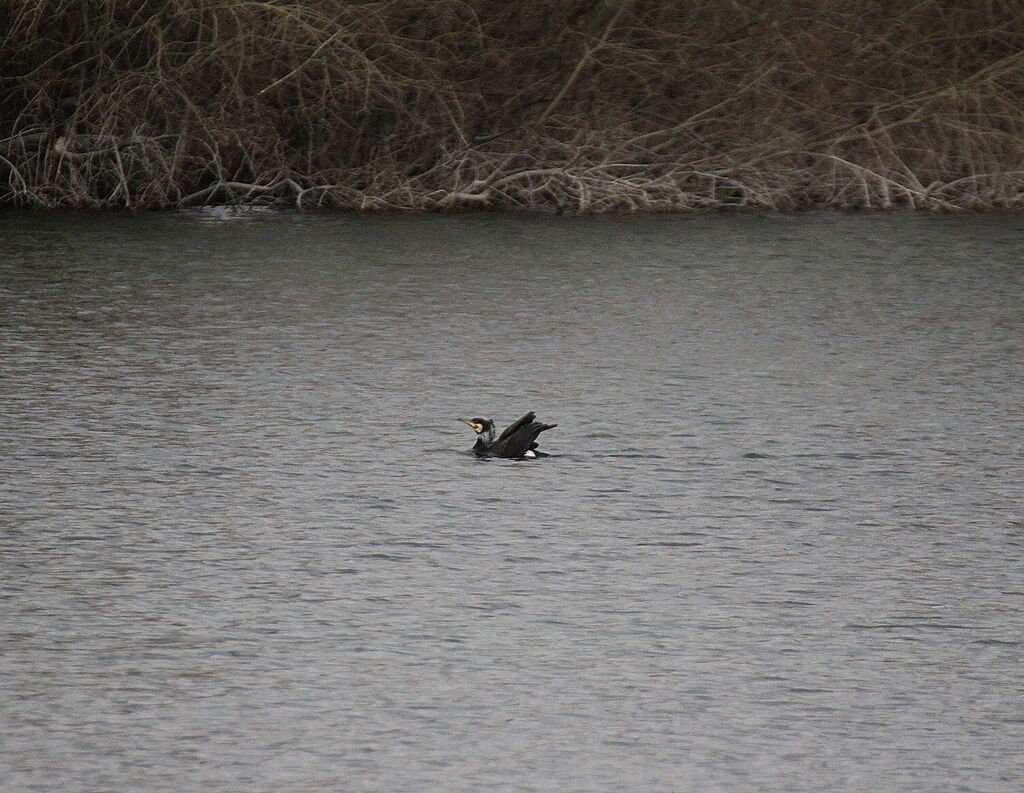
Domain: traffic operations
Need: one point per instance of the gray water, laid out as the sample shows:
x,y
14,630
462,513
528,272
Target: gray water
x,y
777,546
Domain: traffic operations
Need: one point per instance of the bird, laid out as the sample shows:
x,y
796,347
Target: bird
x,y
518,440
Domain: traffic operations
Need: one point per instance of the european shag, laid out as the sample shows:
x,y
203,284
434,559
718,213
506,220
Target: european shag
x,y
518,440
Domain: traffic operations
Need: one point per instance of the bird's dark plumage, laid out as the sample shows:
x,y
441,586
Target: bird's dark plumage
x,y
519,439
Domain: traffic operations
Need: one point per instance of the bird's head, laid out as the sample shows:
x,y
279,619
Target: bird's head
x,y
480,426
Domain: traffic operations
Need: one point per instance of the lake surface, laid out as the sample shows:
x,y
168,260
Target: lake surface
x,y
777,547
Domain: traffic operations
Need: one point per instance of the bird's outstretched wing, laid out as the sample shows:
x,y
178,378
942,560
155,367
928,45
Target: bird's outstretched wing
x,y
520,437
517,425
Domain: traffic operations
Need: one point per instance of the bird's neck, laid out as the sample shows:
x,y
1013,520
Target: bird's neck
x,y
484,441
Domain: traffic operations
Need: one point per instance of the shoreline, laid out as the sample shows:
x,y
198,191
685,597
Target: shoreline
x,y
677,188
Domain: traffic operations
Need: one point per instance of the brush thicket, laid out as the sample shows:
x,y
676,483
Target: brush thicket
x,y
572,105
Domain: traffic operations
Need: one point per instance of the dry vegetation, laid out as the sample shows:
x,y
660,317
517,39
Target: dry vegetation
x,y
575,105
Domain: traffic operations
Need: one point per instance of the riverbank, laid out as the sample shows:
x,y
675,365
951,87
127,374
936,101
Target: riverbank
x,y
573,106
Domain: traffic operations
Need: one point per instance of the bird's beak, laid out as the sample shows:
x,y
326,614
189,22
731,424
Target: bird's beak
x,y
475,427
466,421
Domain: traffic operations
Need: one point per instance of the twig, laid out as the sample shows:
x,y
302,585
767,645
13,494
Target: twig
x,y
587,55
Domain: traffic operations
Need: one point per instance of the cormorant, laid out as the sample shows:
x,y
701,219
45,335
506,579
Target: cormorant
x,y
518,440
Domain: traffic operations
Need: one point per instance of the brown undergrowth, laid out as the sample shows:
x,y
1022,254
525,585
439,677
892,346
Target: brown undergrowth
x,y
571,105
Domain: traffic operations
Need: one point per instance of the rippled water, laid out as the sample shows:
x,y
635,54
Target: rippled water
x,y
778,545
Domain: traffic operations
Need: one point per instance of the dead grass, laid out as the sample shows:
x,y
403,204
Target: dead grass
x,y
571,105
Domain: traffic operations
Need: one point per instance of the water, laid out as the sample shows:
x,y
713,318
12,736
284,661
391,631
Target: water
x,y
778,545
